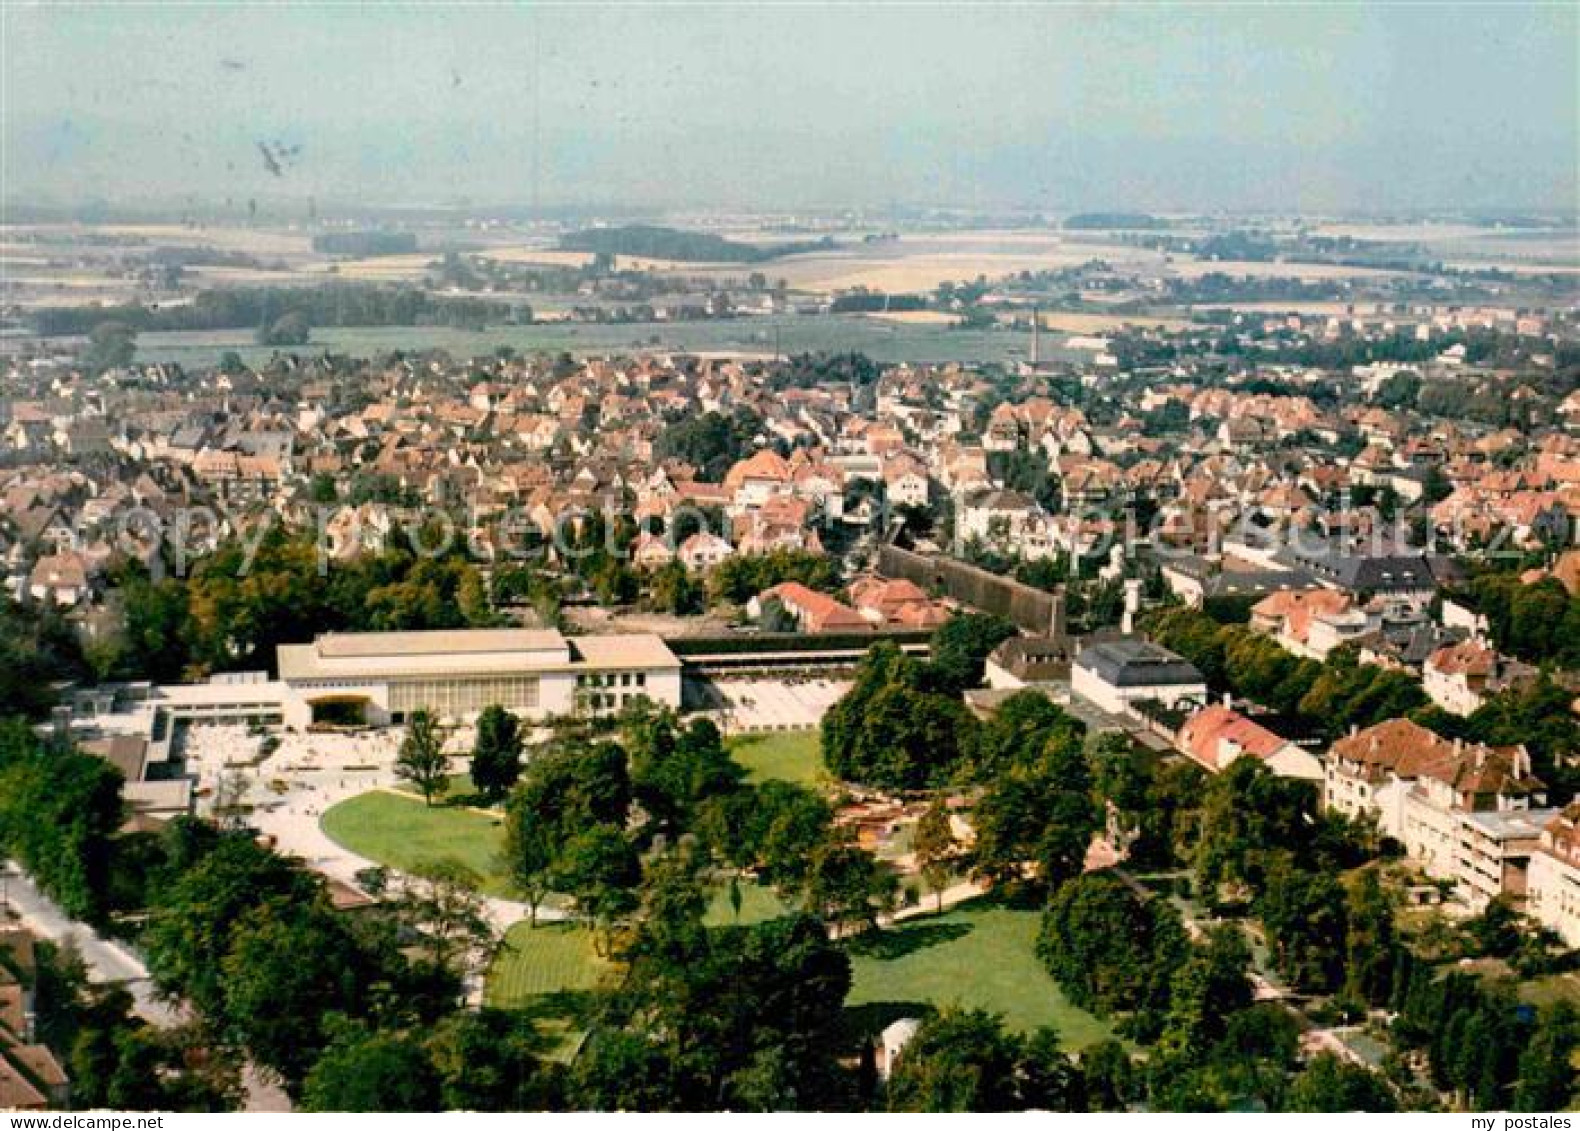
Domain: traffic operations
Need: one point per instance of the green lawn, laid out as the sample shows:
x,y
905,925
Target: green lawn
x,y
548,970
974,957
400,831
790,755
758,903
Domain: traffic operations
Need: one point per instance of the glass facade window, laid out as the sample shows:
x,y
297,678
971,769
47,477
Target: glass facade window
x,y
464,696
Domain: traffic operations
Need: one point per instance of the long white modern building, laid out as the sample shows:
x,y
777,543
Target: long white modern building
x,y
379,678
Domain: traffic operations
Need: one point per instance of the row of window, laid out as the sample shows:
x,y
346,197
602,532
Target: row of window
x,y
464,696
604,700
612,679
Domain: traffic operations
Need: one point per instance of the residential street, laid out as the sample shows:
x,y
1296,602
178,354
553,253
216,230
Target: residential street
x,y
108,961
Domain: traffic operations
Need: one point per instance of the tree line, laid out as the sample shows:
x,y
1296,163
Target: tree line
x,y
255,308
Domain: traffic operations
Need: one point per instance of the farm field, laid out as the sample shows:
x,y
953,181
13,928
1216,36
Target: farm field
x,y
975,956
883,341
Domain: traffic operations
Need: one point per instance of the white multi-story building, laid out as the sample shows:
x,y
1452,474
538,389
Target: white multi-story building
x,y
1552,884
382,677
1464,812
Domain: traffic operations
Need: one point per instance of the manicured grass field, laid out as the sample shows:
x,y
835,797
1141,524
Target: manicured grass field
x,y
551,958
974,957
790,755
758,903
547,970
400,831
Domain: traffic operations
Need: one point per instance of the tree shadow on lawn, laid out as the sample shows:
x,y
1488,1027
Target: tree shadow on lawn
x,y
896,942
463,799
577,1008
871,1018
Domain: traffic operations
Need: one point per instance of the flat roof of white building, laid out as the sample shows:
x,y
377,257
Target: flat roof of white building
x,y
443,641
461,653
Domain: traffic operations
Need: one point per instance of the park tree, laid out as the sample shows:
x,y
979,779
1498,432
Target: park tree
x,y
1547,1080
1038,813
753,1021
1112,949
772,829
1109,1076
496,754
1331,1084
1020,731
599,869
421,759
575,782
1371,943
1048,1077
1150,805
961,645
674,901
440,902
371,1070
59,812
1207,990
675,767
573,787
197,909
847,886
888,730
493,1060
967,1061
286,972
530,845
1304,915
1247,813
936,847
958,1061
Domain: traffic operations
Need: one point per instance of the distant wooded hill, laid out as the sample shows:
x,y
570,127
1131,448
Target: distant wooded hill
x,y
652,242
1097,220
365,243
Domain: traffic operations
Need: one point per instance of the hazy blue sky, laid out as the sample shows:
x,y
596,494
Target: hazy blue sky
x,y
1057,108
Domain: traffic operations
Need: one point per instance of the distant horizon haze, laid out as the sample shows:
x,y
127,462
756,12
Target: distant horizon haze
x,y
1058,109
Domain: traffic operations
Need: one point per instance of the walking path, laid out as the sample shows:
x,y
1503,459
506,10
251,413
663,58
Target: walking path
x,y
291,789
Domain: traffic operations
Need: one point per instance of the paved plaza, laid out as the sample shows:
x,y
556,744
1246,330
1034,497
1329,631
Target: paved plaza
x,y
746,705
